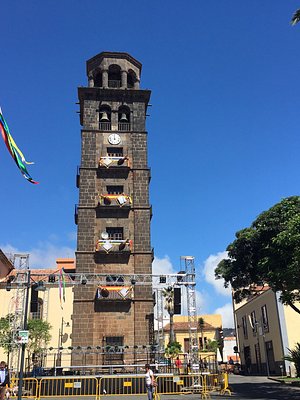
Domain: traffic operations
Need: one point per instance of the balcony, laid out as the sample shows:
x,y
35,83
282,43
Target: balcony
x,y
124,126
114,293
110,200
114,161
76,214
114,246
116,84
105,126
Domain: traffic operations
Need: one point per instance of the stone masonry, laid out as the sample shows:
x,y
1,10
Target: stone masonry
x,y
113,96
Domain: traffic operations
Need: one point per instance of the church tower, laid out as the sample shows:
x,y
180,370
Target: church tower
x,y
113,214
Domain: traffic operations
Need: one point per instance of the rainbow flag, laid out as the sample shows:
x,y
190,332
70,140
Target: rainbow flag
x,y
13,149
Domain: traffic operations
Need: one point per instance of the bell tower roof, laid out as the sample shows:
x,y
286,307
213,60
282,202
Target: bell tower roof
x,y
105,58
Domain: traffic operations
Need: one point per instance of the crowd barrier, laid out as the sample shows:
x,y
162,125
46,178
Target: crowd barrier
x,y
97,388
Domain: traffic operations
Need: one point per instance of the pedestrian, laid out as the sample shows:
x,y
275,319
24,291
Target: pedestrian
x,y
149,380
178,364
4,379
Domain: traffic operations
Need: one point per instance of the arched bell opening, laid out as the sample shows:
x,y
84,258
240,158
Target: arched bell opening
x,y
105,118
124,118
98,80
114,76
131,79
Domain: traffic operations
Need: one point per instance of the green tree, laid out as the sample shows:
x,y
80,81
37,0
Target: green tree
x,y
6,333
267,253
39,336
212,345
294,356
168,294
173,349
296,17
201,324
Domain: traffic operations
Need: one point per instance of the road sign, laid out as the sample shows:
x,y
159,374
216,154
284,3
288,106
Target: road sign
x,y
22,337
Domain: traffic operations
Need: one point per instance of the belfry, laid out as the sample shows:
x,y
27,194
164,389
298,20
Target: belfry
x,y
113,214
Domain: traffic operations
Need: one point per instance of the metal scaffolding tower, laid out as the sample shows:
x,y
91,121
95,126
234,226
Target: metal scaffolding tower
x,y
17,305
190,284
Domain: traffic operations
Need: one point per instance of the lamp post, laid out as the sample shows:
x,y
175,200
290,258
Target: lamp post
x,y
61,340
23,344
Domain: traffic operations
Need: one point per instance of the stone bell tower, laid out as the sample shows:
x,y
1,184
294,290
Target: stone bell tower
x,y
113,214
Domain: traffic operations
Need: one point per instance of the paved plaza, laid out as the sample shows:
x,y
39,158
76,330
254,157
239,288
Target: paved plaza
x,y
244,387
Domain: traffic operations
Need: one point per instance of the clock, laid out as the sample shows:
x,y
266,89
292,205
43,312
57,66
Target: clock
x,y
114,138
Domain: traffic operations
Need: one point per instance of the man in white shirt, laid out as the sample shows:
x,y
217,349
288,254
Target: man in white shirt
x,y
4,379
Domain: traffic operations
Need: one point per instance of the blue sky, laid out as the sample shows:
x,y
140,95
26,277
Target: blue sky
x,y
223,128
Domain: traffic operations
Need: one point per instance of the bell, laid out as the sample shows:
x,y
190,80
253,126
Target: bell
x,y
123,118
104,116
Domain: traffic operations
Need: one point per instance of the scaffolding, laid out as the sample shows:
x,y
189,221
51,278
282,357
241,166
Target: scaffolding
x,y
190,284
17,305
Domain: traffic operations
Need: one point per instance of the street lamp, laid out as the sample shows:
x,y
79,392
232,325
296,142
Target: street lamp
x,y
61,340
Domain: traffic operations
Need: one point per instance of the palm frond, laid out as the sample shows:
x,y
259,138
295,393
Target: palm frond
x,y
296,17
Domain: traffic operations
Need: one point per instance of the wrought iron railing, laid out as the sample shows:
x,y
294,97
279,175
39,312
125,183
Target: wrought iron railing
x,y
105,126
124,126
114,83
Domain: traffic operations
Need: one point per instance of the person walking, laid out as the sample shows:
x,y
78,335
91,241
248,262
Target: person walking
x,y
149,380
178,365
4,379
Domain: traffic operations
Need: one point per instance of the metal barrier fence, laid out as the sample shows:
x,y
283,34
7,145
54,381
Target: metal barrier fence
x,y
78,387
29,389
92,387
122,385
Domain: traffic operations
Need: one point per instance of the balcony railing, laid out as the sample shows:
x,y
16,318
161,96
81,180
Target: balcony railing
x,y
124,126
113,161
105,126
115,199
114,83
112,245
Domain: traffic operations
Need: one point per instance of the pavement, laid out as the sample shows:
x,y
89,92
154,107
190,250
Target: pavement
x,y
244,388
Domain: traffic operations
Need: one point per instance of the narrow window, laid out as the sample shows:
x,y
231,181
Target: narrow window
x,y
244,324
265,320
253,322
115,189
115,233
115,151
114,349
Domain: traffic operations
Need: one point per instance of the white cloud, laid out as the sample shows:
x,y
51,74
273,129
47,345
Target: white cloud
x,y
72,236
227,315
161,266
44,255
210,265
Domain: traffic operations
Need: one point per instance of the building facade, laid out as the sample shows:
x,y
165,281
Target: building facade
x,y
266,329
47,305
113,214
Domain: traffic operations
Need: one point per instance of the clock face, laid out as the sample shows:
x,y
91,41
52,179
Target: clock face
x,y
114,138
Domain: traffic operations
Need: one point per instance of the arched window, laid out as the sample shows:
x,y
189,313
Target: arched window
x,y
105,118
124,118
114,76
98,80
131,79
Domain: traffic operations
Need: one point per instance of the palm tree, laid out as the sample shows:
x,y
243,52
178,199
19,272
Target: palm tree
x,y
201,324
296,17
168,294
294,356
